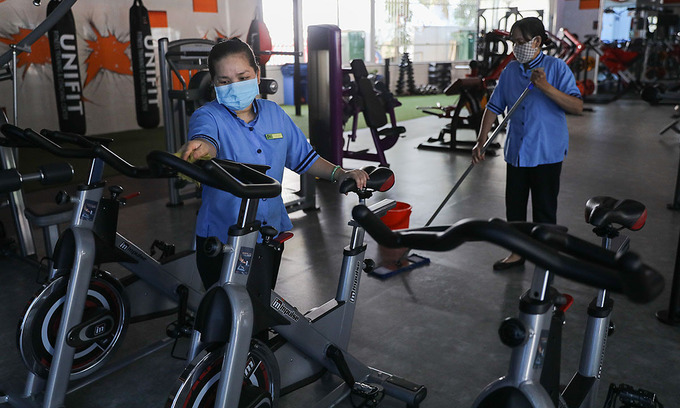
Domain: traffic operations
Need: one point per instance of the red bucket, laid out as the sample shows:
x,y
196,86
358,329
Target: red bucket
x,y
398,217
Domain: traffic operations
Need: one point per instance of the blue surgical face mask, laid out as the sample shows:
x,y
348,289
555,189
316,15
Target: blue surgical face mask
x,y
237,95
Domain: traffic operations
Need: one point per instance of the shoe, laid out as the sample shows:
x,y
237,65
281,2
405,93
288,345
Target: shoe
x,y
501,266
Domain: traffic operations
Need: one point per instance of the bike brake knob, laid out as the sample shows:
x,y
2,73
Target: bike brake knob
x,y
369,265
513,332
62,198
115,191
212,246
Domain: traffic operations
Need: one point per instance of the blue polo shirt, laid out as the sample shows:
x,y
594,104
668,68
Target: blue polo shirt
x,y
537,131
272,139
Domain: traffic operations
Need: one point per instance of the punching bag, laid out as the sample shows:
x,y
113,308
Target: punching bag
x,y
66,73
143,67
259,40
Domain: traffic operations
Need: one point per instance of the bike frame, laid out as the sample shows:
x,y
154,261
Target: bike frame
x,y
523,380
307,337
156,290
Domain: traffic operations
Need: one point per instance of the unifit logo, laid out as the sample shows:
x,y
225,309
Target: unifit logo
x,y
281,307
69,80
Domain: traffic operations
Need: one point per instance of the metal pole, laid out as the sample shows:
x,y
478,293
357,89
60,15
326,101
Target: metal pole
x,y
15,103
675,205
486,146
168,120
297,37
672,315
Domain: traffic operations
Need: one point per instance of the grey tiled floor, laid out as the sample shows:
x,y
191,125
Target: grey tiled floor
x,y
435,325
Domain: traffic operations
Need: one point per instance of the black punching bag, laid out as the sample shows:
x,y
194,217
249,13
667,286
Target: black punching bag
x,y
66,73
143,67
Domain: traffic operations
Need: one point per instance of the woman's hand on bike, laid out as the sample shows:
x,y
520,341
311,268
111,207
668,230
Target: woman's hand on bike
x,y
358,175
197,149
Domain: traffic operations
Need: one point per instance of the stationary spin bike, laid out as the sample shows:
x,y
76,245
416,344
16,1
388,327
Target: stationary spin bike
x,y
533,376
250,345
77,320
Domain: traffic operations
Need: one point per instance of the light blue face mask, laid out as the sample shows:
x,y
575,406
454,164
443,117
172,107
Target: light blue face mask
x,y
238,95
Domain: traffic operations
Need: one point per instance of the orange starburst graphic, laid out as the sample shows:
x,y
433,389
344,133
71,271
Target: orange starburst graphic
x,y
40,50
107,53
219,35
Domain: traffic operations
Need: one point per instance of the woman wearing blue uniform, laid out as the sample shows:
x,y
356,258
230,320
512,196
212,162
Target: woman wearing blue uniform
x,y
537,137
237,126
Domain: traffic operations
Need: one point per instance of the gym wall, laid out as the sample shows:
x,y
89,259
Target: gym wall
x,y
103,47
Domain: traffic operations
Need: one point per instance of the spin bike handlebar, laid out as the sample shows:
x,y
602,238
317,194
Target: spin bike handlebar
x,y
554,250
236,178
379,179
13,137
233,177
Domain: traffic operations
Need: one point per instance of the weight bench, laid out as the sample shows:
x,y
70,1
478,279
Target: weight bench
x,y
471,91
376,102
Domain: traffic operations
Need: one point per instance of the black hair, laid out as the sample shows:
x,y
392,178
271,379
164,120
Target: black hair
x,y
229,47
531,27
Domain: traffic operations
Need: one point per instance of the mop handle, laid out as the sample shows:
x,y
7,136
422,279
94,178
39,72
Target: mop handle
x,y
512,110
486,145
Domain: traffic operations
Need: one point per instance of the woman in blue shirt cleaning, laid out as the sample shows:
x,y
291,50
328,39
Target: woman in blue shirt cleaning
x,y
537,137
237,126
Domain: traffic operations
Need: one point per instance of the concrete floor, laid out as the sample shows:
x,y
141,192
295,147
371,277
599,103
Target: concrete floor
x,y
435,325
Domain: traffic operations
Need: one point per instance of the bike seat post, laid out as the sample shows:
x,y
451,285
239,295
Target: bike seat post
x,y
238,257
96,171
536,308
358,233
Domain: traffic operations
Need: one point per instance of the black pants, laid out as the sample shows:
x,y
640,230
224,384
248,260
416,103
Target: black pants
x,y
544,184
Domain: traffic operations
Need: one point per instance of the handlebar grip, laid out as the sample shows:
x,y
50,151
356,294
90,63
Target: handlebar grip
x,y
15,137
52,147
640,282
246,183
61,137
10,180
55,173
242,181
83,141
379,179
375,227
120,164
574,246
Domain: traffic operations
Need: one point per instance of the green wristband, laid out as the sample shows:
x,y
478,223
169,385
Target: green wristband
x,y
333,173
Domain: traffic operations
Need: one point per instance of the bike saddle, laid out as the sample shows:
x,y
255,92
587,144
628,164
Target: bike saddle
x,y
602,211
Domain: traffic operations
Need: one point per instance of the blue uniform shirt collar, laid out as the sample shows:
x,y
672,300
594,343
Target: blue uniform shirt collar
x,y
534,62
255,110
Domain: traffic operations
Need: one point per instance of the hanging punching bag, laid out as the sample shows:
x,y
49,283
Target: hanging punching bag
x,y
143,67
66,73
259,40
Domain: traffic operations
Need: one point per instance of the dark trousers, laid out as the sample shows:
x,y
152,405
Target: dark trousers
x,y
544,184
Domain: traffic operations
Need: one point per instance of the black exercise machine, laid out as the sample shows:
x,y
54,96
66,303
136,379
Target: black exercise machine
x,y
472,91
376,102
